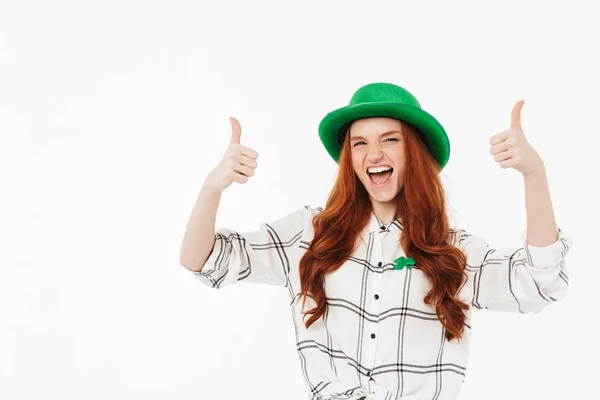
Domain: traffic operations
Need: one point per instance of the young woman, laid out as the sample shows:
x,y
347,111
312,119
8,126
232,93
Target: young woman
x,y
381,287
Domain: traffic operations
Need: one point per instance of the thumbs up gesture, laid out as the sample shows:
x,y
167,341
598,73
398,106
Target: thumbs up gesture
x,y
511,148
238,162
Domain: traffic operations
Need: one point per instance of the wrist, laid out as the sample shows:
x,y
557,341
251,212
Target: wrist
x,y
210,190
538,173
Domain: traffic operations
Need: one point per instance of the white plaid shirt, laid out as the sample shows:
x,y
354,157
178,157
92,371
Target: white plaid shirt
x,y
378,338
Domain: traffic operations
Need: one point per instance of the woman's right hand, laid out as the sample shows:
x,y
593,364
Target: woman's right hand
x,y
237,164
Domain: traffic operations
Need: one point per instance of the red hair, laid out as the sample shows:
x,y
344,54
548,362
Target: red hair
x,y
424,236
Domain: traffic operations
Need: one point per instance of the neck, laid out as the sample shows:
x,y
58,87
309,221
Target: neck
x,y
385,212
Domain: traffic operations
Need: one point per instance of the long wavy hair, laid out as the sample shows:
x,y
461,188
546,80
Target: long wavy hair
x,y
425,233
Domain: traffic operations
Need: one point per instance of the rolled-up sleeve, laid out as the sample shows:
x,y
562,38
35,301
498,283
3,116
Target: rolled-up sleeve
x,y
523,280
264,255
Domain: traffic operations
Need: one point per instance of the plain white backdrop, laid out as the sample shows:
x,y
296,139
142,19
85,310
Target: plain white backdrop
x,y
113,112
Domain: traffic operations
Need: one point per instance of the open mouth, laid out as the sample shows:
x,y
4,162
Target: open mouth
x,y
380,178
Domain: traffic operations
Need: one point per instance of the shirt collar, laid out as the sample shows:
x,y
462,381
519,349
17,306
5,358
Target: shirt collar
x,y
375,226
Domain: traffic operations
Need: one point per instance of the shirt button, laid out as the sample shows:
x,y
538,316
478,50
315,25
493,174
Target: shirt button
x,y
376,297
379,264
372,336
368,373
383,227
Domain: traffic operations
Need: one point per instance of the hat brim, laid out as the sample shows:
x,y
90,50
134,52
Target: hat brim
x,y
335,124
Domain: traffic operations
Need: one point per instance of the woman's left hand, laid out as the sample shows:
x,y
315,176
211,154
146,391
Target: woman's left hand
x,y
511,148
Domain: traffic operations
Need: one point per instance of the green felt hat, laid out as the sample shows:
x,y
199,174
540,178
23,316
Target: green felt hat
x,y
384,100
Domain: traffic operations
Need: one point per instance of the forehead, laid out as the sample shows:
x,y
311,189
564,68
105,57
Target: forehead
x,y
374,126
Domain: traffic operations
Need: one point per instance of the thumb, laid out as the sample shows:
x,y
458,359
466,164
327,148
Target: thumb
x,y
515,119
236,130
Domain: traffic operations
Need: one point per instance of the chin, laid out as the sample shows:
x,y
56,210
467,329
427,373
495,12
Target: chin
x,y
383,197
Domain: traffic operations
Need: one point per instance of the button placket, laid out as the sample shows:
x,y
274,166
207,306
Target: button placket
x,y
375,304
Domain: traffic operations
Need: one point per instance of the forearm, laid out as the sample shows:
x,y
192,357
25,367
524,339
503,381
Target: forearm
x,y
199,237
541,224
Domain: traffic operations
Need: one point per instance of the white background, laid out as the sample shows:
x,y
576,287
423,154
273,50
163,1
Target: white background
x,y
113,112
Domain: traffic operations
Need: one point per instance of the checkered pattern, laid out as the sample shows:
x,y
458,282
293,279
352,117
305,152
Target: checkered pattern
x,y
378,338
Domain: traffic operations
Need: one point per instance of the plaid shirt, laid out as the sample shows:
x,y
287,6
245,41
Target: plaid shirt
x,y
378,338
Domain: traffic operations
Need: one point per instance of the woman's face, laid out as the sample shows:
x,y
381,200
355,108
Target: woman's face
x,y
378,142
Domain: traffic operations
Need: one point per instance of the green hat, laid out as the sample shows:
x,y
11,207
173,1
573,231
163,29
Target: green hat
x,y
384,100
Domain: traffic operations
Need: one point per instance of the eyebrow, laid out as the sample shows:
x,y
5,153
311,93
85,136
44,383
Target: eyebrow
x,y
381,135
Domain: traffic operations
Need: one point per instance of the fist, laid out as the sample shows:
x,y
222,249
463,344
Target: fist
x,y
238,162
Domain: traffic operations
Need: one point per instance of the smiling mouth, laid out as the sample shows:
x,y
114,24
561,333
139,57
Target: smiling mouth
x,y
380,178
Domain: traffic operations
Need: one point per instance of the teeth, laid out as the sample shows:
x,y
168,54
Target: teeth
x,y
373,170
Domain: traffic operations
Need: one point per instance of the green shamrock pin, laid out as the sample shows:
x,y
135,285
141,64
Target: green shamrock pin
x,y
402,262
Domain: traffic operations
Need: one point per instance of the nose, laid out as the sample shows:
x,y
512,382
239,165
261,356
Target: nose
x,y
374,152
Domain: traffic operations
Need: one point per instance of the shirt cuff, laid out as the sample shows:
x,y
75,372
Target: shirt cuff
x,y
549,256
218,271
